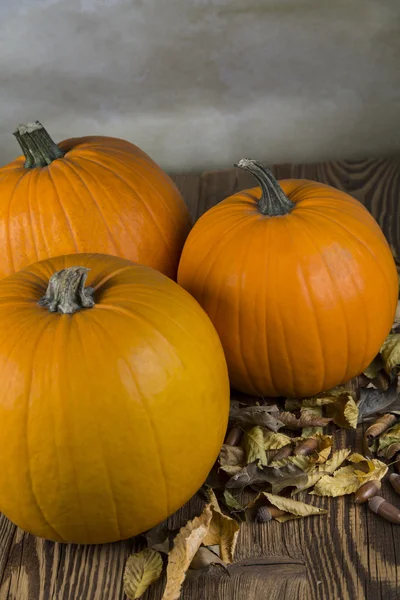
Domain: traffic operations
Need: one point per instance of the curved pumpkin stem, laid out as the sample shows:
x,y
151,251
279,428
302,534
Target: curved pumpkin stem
x,y
36,144
273,201
66,292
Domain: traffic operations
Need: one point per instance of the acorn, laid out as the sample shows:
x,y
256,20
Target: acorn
x,y
394,479
367,491
384,509
233,436
307,447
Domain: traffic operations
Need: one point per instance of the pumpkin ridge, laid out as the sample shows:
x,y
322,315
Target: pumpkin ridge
x,y
63,210
360,242
107,278
314,312
143,403
71,166
361,296
105,191
152,217
106,466
334,287
28,200
267,241
8,228
26,436
148,180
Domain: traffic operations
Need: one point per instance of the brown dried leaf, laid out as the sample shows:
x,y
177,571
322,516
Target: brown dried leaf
x,y
295,508
390,352
231,502
204,557
292,422
254,445
277,478
318,401
223,531
275,441
390,451
186,544
375,367
141,570
232,455
344,411
157,538
263,416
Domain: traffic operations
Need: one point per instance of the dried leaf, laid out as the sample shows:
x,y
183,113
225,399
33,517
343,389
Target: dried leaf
x,y
347,480
337,458
389,437
254,445
223,531
318,401
204,557
231,502
232,456
390,352
186,544
141,570
294,507
373,369
303,462
292,422
311,410
278,478
275,441
380,425
264,416
292,404
373,401
344,411
323,449
157,538
390,451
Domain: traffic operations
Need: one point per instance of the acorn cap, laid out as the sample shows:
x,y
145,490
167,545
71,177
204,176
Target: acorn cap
x,y
375,502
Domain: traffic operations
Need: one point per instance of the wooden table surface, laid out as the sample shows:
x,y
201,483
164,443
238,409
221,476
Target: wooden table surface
x,y
349,554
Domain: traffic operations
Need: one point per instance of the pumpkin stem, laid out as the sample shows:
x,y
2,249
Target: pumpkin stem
x,y
37,146
66,292
273,201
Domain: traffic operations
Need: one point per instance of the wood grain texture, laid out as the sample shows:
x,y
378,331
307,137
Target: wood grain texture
x,y
349,554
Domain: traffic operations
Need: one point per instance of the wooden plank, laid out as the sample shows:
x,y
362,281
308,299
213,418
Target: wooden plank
x,y
349,554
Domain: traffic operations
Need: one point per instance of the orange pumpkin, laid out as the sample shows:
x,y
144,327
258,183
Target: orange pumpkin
x,y
89,194
298,280
111,415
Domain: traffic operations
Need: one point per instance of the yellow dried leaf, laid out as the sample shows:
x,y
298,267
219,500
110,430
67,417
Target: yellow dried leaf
x,y
344,411
186,544
303,462
390,352
223,531
294,507
318,401
323,450
275,441
141,570
254,445
347,480
337,458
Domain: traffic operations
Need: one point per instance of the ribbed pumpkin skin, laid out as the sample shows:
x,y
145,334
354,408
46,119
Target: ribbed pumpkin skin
x,y
301,302
105,195
110,418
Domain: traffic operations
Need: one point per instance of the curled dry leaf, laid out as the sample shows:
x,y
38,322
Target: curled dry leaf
x,y
141,570
318,401
223,531
204,557
231,502
308,420
389,437
254,445
381,424
158,538
375,367
294,508
275,441
390,352
264,416
344,411
186,544
390,451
